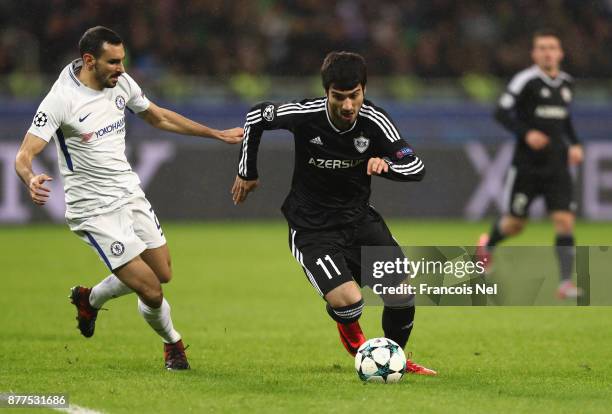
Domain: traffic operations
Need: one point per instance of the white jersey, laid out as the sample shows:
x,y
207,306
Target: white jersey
x,y
89,131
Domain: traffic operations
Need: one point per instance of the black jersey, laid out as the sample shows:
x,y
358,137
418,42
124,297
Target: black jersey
x,y
330,186
533,100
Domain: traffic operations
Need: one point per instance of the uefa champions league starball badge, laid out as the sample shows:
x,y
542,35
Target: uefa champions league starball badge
x,y
40,119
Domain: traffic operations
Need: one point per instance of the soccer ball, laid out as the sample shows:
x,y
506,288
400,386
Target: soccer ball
x,y
380,360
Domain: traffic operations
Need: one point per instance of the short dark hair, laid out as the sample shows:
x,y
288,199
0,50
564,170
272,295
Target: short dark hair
x,y
94,38
344,70
546,32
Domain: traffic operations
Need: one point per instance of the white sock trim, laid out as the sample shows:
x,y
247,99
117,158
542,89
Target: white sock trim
x,y
109,288
160,320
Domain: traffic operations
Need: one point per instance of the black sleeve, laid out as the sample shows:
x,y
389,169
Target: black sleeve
x,y
570,132
262,117
404,164
505,113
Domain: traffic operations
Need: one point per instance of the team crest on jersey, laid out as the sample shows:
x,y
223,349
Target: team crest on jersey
x,y
117,248
566,94
40,119
268,113
120,102
361,144
545,93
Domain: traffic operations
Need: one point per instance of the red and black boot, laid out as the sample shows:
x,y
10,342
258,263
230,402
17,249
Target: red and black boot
x,y
175,357
86,314
351,336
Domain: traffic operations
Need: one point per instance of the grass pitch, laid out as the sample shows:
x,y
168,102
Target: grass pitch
x,y
261,341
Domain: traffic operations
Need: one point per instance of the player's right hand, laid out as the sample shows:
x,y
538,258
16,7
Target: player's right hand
x,y
231,136
536,139
575,154
242,188
377,166
38,192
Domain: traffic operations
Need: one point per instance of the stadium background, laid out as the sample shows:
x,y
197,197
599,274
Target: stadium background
x,y
436,66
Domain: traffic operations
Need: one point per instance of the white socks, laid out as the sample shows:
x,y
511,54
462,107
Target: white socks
x,y
107,289
159,319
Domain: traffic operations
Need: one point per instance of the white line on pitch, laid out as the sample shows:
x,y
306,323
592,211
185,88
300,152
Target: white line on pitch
x,y
77,409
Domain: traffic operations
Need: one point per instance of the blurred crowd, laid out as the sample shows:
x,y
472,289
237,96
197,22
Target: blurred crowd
x,y
428,39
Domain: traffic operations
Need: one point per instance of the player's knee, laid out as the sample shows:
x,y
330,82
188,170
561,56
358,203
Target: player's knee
x,y
343,295
564,224
516,229
512,226
564,228
165,275
346,314
398,301
152,296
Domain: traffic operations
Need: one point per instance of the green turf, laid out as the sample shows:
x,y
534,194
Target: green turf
x,y
260,340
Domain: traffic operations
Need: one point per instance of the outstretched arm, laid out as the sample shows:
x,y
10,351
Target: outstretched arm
x,y
170,121
30,148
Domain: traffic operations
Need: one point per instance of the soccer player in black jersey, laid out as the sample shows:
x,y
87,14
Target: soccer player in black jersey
x,y
341,141
535,107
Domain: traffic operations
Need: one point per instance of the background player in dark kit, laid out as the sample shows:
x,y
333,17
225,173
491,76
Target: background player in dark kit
x,y
341,140
535,108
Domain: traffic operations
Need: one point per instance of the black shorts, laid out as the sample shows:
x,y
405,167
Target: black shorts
x,y
524,185
330,258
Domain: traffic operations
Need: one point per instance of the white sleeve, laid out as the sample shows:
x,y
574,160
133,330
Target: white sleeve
x,y
514,89
49,116
137,101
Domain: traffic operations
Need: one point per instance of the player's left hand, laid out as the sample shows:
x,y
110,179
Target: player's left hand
x,y
231,136
242,188
575,154
38,191
377,166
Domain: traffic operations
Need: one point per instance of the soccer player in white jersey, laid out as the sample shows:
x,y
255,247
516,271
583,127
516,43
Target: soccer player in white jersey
x,y
105,206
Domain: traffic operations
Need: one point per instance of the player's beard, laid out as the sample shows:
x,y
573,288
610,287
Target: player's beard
x,y
112,81
339,121
337,116
346,118
106,80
